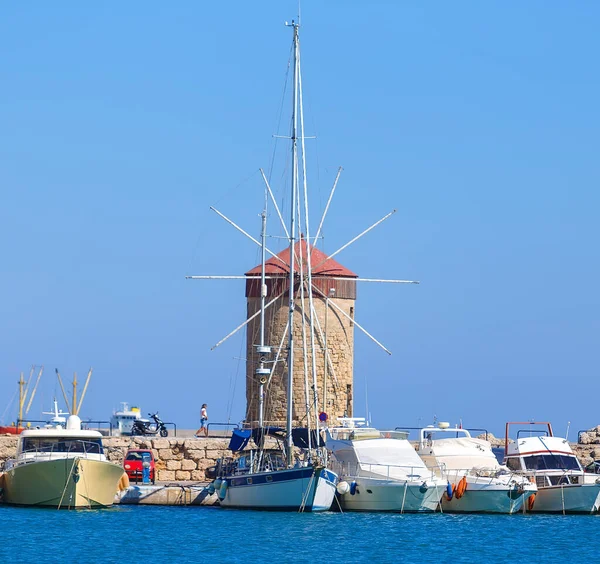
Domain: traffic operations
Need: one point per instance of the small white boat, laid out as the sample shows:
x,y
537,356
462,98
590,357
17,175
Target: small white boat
x,y
122,421
380,470
563,486
476,482
62,467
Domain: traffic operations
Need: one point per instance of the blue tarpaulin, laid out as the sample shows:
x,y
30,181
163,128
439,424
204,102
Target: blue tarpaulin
x,y
239,439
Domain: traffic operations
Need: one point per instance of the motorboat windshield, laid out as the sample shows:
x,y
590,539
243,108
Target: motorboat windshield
x,y
61,444
551,461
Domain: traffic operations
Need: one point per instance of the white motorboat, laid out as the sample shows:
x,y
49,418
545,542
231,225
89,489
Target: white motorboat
x,y
380,470
122,420
476,482
62,467
549,462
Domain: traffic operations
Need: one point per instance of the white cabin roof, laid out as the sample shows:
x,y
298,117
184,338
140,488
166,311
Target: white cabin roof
x,y
59,432
461,453
525,446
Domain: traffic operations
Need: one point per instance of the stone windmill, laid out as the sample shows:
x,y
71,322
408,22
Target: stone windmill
x,y
334,295
323,328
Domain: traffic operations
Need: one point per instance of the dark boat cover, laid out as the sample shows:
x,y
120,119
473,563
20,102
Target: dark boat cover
x,y
239,439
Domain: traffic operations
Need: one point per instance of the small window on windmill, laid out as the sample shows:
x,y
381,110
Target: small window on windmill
x,y
351,316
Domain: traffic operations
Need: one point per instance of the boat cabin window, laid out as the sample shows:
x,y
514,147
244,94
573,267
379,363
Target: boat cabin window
x,y
551,462
56,444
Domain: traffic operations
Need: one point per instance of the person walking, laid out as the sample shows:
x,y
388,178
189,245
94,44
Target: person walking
x,y
203,425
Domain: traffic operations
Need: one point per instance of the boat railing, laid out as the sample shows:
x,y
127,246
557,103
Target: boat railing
x,y
479,474
554,478
389,471
364,433
416,431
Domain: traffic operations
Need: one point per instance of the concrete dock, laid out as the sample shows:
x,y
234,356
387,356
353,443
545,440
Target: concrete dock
x,y
179,493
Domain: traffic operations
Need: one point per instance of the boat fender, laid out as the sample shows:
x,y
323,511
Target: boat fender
x,y
530,502
449,490
352,488
223,490
423,489
211,488
123,482
217,483
461,488
343,488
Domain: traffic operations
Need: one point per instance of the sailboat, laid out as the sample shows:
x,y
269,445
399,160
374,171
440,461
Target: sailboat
x,y
294,476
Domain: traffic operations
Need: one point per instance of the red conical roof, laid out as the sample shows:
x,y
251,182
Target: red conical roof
x,y
321,265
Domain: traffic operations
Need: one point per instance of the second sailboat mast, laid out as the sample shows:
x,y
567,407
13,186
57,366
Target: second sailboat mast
x,y
290,379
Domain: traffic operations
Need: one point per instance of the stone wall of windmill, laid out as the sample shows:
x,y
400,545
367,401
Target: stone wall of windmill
x,y
336,328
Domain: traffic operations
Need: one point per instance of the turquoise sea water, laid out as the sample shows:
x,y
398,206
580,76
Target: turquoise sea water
x,y
148,535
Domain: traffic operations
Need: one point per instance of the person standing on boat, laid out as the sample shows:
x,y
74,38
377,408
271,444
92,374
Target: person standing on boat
x,y
203,425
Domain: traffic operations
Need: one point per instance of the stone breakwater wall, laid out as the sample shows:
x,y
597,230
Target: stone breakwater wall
x,y
176,459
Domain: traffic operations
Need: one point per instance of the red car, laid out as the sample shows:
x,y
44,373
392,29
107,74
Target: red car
x,y
133,464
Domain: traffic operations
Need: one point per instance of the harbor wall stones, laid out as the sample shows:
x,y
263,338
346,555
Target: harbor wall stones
x,y
176,459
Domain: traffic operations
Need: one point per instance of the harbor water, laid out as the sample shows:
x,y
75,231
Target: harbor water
x,y
148,535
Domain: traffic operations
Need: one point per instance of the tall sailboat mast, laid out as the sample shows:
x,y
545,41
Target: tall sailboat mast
x,y
263,350
290,378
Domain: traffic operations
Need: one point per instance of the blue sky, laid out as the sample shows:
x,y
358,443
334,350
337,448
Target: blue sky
x,y
123,123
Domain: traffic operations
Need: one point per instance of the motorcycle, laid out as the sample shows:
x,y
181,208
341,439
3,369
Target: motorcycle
x,y
147,428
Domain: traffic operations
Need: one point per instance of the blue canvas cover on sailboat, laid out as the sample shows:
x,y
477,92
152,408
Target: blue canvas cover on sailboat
x,y
300,438
239,439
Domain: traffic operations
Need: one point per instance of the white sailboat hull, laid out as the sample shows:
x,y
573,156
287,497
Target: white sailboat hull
x,y
296,489
375,494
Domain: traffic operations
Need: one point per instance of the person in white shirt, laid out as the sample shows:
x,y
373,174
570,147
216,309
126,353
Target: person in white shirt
x,y
203,425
